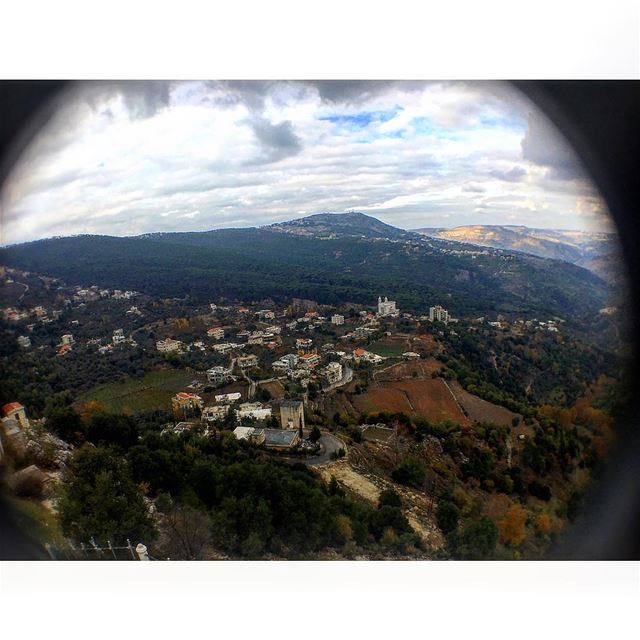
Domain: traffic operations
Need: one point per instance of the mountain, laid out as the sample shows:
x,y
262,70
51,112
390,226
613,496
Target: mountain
x,y
353,224
259,263
596,251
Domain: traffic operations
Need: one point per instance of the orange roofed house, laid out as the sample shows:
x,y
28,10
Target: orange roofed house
x,y
184,404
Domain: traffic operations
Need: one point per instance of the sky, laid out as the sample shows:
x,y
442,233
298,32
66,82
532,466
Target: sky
x,y
136,157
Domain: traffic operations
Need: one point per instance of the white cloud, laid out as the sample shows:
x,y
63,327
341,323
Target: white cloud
x,y
140,158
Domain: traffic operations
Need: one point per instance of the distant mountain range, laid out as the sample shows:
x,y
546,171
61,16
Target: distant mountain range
x,y
330,258
595,251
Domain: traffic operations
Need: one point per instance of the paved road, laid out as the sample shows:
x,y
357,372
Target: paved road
x,y
328,444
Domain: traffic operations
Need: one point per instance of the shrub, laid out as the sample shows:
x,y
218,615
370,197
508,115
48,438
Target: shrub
x,y
390,498
539,490
411,472
447,515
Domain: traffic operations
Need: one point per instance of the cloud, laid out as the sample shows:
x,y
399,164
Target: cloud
x,y
277,141
126,158
515,174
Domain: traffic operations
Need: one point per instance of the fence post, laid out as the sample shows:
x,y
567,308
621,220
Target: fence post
x,y
95,546
133,555
113,553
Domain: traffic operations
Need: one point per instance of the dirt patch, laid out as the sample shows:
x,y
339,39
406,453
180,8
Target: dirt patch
x,y
429,398
275,388
481,410
410,369
418,509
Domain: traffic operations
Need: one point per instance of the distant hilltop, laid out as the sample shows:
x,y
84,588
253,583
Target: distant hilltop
x,y
596,251
335,225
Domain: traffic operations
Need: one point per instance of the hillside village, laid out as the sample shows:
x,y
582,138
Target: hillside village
x,y
349,390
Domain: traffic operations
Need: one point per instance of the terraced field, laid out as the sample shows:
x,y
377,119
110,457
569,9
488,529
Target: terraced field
x,y
430,399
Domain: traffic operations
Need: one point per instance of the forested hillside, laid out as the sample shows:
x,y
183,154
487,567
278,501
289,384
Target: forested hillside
x,y
253,264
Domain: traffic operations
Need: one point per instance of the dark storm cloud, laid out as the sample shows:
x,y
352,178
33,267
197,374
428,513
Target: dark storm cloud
x,y
142,98
547,148
516,174
278,141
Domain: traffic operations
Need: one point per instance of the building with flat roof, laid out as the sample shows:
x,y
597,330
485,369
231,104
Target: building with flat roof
x,y
250,434
386,307
280,439
292,414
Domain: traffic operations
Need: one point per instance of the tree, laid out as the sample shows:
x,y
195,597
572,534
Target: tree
x,y
65,423
447,515
112,428
390,498
315,434
102,501
187,532
411,472
512,526
477,541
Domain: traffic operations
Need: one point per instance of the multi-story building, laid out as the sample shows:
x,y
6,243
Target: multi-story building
x,y
219,375
253,410
438,314
247,362
215,413
228,398
386,307
118,336
216,332
292,414
266,314
337,319
309,360
169,345
332,373
24,341
67,338
184,404
303,343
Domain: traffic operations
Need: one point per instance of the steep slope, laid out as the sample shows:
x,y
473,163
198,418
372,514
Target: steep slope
x,y
254,264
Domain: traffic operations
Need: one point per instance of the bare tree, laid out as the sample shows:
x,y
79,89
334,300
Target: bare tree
x,y
187,532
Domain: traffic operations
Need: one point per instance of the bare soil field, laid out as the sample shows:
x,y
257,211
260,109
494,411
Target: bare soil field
x,y
430,399
422,369
275,388
479,409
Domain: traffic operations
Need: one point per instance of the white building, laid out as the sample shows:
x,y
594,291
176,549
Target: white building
x,y
67,338
438,314
24,341
228,398
386,307
118,336
218,375
253,410
247,362
169,346
216,332
215,413
337,319
332,372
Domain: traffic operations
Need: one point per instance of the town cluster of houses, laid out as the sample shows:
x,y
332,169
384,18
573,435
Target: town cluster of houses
x,y
189,409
